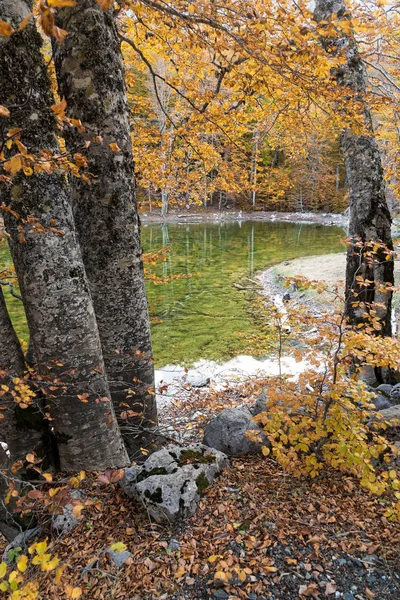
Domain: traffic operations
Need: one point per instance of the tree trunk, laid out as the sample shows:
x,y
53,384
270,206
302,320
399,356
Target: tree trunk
x,y
91,78
369,213
20,428
49,265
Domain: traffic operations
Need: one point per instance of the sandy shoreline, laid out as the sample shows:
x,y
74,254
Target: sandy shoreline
x,y
217,217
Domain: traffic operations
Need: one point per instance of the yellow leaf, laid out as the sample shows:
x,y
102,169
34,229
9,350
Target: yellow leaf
x,y
118,547
3,569
115,147
213,558
48,476
5,29
61,3
179,572
4,112
22,563
41,547
265,450
73,593
30,458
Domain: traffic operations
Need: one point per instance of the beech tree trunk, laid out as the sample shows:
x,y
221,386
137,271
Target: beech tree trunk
x,y
91,78
369,213
49,265
20,428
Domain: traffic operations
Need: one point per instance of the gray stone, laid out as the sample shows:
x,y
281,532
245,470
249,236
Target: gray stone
x,y
197,379
385,389
174,545
66,522
260,405
220,595
381,402
170,481
395,395
228,432
389,414
118,558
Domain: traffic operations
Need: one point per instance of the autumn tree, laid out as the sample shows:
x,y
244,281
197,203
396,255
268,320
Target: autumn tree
x,y
370,218
90,77
39,222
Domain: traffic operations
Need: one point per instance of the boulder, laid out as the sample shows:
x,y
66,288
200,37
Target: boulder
x,y
231,432
260,405
384,389
390,414
170,482
379,399
395,395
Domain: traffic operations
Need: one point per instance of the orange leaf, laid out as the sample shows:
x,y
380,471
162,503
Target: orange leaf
x,y
5,29
4,112
24,22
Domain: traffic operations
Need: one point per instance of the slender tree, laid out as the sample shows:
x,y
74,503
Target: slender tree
x,y
48,261
369,213
91,78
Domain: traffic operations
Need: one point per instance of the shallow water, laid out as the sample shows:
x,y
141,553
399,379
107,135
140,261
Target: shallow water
x,y
200,317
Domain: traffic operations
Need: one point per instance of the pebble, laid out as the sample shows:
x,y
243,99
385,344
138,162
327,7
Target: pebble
x,y
174,545
220,595
348,596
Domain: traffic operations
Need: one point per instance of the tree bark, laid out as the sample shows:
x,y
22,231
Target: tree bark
x,y
369,213
21,428
91,78
49,265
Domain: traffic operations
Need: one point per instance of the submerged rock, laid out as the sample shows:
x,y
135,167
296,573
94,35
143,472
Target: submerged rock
x,y
235,433
170,482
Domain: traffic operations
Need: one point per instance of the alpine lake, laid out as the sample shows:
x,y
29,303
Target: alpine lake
x,y
205,314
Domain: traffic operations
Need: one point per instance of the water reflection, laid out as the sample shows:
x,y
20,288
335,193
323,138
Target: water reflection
x,y
200,316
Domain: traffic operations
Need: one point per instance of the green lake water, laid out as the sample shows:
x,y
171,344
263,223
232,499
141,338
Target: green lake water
x,y
200,317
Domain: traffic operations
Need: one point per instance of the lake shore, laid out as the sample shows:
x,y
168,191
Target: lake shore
x,y
330,268
190,216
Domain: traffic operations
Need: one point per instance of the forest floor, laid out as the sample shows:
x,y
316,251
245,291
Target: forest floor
x,y
258,534
189,216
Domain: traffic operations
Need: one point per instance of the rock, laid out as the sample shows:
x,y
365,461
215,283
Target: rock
x,y
388,414
20,541
66,522
170,481
197,379
220,595
260,405
381,402
395,395
118,558
385,389
174,545
228,431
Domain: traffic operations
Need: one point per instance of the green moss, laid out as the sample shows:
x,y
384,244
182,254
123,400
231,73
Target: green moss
x,y
196,456
202,482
